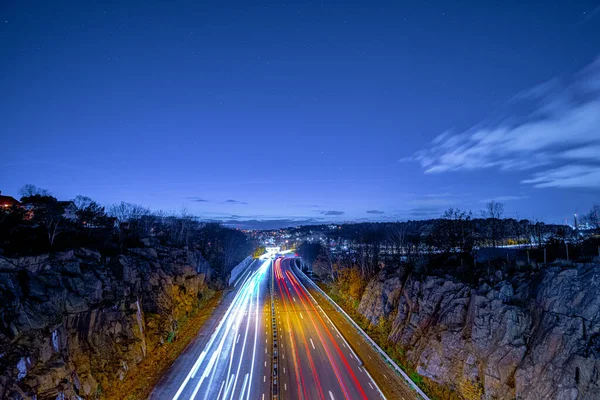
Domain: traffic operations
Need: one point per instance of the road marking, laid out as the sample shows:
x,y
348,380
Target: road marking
x,y
223,383
266,341
245,383
370,385
265,363
263,398
283,356
285,386
343,344
265,351
264,378
331,395
385,376
358,369
284,370
301,316
370,357
238,339
313,345
351,355
294,299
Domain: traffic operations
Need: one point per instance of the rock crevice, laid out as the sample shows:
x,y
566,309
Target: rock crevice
x,y
72,323
527,337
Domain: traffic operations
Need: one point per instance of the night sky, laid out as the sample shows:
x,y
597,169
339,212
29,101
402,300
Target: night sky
x,y
304,111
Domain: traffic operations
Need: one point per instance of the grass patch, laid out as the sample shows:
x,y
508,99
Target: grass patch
x,y
139,384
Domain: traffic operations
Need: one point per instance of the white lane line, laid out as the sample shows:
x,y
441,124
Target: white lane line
x,y
331,395
351,355
385,376
301,316
263,398
370,385
343,344
313,345
265,363
264,378
238,339
285,386
229,384
283,356
244,385
284,370
265,351
222,384
266,341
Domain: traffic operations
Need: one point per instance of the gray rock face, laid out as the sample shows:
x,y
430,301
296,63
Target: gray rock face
x,y
71,323
534,337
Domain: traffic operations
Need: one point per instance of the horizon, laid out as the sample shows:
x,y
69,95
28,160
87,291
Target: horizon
x,y
307,113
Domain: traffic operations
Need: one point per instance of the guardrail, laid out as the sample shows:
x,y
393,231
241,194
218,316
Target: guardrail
x,y
367,337
238,270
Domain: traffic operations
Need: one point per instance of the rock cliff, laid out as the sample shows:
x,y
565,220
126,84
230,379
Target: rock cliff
x,y
533,336
72,323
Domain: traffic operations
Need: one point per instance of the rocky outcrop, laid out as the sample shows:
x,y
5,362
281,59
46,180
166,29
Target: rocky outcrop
x,y
72,323
528,337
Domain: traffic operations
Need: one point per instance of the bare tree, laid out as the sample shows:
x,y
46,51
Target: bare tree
x,y
325,263
494,209
30,190
397,238
593,217
138,218
538,232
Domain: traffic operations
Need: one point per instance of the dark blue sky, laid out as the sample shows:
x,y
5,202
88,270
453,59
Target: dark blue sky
x,y
316,111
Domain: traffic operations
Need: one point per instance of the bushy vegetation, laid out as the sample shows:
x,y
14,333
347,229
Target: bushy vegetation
x,y
42,224
457,244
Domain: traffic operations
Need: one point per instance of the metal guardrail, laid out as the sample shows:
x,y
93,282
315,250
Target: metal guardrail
x,y
368,338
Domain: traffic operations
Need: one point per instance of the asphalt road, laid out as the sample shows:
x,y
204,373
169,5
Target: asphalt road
x,y
321,356
391,383
233,361
315,361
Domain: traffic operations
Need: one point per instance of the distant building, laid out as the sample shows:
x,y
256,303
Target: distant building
x,y
70,209
8,201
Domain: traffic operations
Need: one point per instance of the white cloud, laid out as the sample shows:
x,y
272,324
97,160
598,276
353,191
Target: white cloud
x,y
568,176
560,138
502,199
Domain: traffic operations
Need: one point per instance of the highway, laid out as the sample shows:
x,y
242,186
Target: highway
x,y
233,362
232,356
315,361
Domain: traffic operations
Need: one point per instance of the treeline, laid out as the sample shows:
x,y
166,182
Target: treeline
x,y
42,223
452,244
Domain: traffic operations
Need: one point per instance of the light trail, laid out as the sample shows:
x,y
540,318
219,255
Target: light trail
x,y
299,288
211,364
310,358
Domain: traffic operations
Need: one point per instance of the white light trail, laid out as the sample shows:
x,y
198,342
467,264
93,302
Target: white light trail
x,y
224,337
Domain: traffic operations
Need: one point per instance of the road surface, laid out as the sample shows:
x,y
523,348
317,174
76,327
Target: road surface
x,y
315,361
233,361
231,358
391,383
